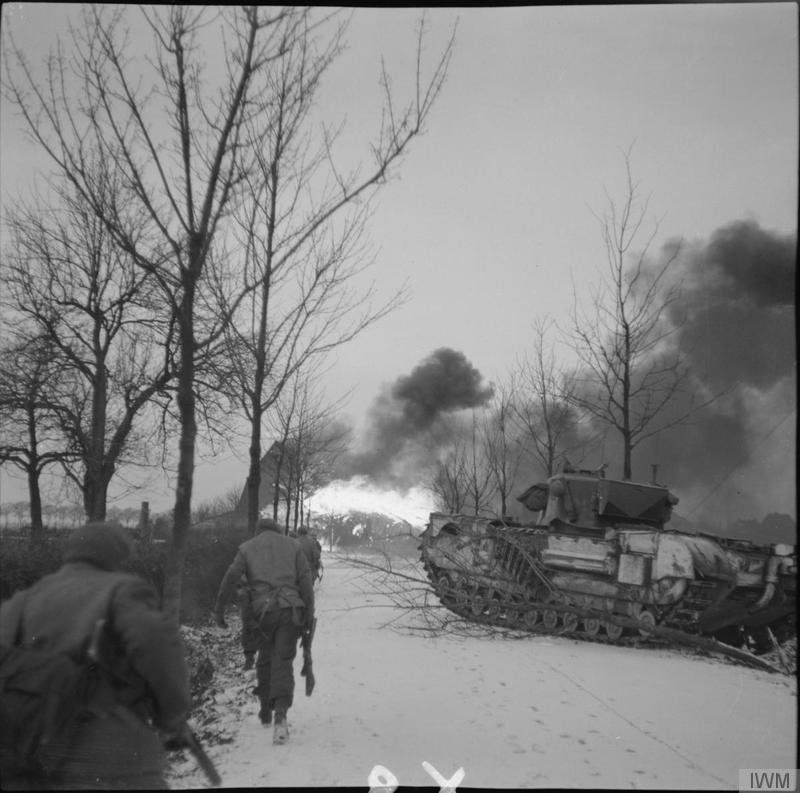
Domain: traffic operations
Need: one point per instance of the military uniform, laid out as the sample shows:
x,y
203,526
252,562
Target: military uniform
x,y
313,551
282,596
116,743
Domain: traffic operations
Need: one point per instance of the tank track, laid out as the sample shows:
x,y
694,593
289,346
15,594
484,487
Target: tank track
x,y
516,592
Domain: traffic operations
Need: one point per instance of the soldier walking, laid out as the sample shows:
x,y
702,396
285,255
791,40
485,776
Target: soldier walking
x,y
312,549
282,595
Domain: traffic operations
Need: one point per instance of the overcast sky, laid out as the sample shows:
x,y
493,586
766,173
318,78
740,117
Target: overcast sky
x,y
491,219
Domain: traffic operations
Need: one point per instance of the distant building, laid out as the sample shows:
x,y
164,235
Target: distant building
x,y
266,487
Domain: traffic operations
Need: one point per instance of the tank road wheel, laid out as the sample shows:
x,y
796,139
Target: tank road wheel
x,y
444,586
570,623
646,622
530,617
512,605
592,626
494,605
614,631
477,605
461,599
550,619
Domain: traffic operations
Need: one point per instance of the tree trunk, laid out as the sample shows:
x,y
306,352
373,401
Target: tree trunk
x,y
95,484
626,404
628,468
254,475
95,495
176,553
288,502
276,495
37,526
254,478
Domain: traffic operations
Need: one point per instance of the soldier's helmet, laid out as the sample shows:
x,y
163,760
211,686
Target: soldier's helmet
x,y
268,524
103,543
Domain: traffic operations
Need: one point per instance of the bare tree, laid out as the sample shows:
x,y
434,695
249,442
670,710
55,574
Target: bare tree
x,y
448,482
482,481
503,445
30,438
72,286
222,504
302,229
544,407
179,150
312,438
631,373
468,467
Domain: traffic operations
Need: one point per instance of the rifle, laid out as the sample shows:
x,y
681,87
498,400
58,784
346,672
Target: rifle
x,y
307,671
203,760
187,737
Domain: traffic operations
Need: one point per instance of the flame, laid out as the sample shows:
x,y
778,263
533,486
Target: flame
x,y
359,495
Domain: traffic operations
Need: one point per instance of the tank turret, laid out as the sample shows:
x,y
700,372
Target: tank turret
x,y
588,500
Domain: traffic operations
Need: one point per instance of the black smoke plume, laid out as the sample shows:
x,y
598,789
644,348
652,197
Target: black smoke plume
x,y
735,329
404,427
736,318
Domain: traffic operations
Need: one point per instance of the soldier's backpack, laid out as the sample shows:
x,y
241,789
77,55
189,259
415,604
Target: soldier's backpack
x,y
41,696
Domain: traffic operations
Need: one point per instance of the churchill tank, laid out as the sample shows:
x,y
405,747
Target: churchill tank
x,y
597,559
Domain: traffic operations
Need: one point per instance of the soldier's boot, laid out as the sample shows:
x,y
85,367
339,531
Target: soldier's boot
x,y
281,731
265,715
249,661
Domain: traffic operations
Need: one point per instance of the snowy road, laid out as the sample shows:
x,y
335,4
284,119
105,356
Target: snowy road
x,y
535,712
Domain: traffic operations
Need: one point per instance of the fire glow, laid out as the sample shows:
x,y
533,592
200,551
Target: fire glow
x,y
358,495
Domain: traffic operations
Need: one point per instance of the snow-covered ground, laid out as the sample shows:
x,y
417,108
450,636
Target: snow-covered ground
x,y
535,712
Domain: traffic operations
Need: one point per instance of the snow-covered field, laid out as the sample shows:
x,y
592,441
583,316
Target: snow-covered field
x,y
535,712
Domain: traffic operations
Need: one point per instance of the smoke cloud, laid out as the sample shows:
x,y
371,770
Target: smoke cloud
x,y
736,318
404,428
735,329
